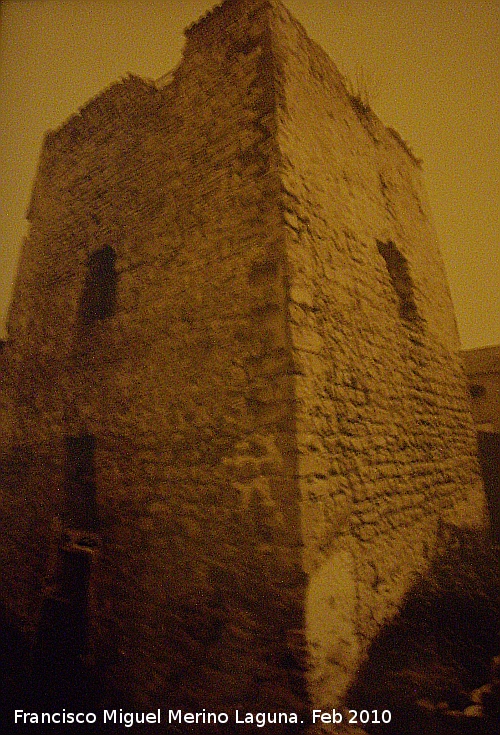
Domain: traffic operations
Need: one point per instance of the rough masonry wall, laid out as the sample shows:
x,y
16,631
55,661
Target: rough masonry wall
x,y
385,439
185,385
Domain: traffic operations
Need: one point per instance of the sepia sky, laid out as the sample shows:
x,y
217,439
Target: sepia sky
x,y
432,68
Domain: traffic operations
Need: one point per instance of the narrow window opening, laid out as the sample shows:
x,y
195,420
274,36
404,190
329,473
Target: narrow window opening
x,y
62,635
397,266
99,292
477,390
80,485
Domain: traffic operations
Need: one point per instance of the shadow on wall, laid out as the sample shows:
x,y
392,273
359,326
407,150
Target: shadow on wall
x,y
425,664
14,665
33,682
436,652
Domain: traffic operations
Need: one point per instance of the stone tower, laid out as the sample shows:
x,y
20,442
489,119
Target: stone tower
x,y
232,368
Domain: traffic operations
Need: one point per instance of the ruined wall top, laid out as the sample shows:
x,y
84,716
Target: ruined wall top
x,y
124,97
223,14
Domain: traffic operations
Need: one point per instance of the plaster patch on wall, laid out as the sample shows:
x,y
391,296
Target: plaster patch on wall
x,y
331,617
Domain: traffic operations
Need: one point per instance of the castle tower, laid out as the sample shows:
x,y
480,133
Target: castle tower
x,y
232,366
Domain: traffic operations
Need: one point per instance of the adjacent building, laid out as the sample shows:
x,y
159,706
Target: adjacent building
x,y
482,367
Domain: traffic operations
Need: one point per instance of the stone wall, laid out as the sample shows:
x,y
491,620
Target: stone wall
x,y
231,282
385,438
183,381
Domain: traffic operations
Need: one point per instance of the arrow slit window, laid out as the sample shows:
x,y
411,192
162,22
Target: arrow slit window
x,y
98,300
